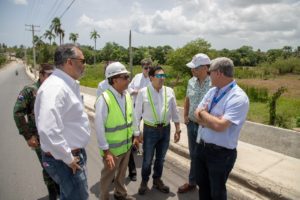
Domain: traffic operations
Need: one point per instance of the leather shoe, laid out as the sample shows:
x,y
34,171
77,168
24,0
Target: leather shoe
x,y
127,197
132,178
186,188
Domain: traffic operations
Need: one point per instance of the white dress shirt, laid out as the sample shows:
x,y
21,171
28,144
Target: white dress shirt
x,y
60,118
138,82
143,106
102,113
102,86
233,107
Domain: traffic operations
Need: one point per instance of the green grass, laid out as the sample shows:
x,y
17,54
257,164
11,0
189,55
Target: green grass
x,y
287,108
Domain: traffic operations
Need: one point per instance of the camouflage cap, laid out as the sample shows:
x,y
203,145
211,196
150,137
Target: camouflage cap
x,y
45,67
146,61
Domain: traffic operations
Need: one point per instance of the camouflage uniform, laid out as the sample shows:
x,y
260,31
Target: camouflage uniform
x,y
24,108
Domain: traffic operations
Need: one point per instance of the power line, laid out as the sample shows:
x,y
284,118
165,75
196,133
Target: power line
x,y
67,9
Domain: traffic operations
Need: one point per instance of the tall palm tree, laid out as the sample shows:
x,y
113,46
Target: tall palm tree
x,y
49,35
56,27
73,37
94,35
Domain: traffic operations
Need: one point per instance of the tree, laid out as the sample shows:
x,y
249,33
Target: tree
x,y
49,35
181,56
73,37
94,35
56,27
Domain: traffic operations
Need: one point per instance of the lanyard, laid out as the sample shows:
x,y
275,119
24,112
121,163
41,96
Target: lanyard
x,y
217,99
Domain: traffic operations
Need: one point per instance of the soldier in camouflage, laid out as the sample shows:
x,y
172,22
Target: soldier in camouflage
x,y
24,118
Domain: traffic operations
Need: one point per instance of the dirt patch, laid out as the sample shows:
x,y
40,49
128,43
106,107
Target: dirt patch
x,y
290,81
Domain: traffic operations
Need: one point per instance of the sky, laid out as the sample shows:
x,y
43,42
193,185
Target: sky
x,y
262,24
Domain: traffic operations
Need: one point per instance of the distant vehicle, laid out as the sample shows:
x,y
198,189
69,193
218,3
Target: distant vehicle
x,y
17,73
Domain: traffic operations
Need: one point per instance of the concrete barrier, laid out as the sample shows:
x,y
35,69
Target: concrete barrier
x,y
273,138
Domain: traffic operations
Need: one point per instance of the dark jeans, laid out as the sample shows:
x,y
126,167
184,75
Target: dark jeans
x,y
213,164
156,140
72,186
192,129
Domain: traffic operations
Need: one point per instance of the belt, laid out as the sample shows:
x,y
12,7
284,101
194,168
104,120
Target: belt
x,y
156,125
213,146
74,152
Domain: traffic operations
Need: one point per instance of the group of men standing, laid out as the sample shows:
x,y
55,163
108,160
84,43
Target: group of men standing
x,y
213,115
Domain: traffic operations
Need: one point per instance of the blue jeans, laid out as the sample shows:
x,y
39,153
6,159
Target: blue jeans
x,y
72,186
192,129
213,164
155,140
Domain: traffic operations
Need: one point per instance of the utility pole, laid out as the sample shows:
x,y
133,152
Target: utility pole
x,y
31,28
130,56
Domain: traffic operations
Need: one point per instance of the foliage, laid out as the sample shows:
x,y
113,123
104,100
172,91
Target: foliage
x,y
94,35
73,37
256,94
282,66
181,56
2,59
298,121
272,104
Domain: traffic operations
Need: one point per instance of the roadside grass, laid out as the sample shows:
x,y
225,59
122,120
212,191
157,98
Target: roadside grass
x,y
288,109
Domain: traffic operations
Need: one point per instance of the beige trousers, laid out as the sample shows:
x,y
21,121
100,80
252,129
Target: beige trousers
x,y
118,173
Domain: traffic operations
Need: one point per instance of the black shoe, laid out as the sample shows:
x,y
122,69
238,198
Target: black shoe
x,y
143,188
159,184
132,177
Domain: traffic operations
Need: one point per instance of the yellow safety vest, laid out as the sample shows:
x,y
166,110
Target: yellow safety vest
x,y
154,113
118,129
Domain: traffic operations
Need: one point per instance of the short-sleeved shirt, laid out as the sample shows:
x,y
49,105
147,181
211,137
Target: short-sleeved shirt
x,y
195,92
234,107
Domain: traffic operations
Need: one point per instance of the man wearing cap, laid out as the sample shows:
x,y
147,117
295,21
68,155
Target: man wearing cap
x,y
115,126
221,115
24,108
197,87
138,82
62,124
156,104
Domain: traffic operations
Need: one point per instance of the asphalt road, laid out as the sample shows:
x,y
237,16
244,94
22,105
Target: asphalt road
x,y
21,176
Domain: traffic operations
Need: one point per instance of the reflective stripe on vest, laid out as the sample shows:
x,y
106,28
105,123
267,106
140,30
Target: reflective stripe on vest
x,y
118,129
154,113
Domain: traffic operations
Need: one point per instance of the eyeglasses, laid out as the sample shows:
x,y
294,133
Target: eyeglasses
x,y
160,75
146,68
125,77
81,60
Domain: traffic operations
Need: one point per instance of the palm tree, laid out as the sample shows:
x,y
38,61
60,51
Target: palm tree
x,y
49,35
94,35
56,27
73,37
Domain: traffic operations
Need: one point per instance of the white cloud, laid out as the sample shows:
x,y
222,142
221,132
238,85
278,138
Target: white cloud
x,y
21,2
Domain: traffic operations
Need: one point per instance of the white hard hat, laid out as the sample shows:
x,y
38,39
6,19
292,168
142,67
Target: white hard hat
x,y
115,68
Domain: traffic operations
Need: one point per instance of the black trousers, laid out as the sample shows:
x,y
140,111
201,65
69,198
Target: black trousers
x,y
131,164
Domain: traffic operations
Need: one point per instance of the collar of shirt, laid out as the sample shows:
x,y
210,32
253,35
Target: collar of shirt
x,y
160,92
220,90
204,82
74,84
116,93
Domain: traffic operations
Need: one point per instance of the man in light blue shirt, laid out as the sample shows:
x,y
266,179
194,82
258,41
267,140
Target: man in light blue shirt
x,y
221,115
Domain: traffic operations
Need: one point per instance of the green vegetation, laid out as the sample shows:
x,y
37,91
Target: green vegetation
x,y
2,59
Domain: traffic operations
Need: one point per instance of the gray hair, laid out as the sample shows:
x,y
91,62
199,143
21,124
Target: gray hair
x,y
63,52
224,65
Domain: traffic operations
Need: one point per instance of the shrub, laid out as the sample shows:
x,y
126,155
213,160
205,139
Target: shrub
x,y
298,121
256,94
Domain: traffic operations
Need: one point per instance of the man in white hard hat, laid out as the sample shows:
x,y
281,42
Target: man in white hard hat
x,y
115,126
197,87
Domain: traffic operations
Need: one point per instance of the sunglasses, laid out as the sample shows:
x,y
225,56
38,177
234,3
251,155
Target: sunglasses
x,y
146,68
160,75
81,60
125,77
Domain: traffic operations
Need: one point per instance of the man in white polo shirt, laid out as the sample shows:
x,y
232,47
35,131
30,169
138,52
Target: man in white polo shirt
x,y
221,115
